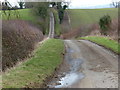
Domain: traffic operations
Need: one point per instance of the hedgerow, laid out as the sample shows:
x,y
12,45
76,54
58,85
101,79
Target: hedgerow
x,y
18,40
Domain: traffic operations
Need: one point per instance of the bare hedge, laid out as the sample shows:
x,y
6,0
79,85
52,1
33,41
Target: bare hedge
x,y
18,40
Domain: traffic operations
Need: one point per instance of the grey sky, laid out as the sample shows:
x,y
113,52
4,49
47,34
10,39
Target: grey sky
x,y
89,3
79,3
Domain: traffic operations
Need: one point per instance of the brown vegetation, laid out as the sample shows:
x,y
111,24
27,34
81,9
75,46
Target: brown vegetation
x,y
18,40
65,26
80,32
72,33
93,29
112,32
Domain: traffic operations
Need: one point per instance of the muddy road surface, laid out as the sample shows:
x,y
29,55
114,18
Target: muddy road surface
x,y
86,65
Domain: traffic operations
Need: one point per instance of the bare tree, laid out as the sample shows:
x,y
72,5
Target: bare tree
x,y
116,4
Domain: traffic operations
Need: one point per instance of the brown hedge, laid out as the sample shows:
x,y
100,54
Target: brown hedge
x,y
18,40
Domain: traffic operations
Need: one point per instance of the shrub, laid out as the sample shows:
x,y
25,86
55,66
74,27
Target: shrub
x,y
18,40
41,9
104,23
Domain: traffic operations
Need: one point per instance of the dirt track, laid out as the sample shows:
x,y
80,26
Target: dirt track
x,y
87,65
51,27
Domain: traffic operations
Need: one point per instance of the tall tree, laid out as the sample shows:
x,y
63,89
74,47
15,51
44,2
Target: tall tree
x,y
61,6
41,9
53,4
21,4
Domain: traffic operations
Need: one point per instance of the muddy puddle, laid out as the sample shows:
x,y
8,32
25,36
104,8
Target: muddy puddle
x,y
70,72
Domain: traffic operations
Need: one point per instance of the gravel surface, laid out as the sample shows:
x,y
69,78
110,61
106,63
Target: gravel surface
x,y
87,65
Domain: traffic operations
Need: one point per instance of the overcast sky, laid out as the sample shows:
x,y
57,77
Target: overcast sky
x,y
89,3
80,3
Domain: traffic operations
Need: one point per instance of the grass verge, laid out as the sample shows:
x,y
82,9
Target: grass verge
x,y
57,25
35,70
105,42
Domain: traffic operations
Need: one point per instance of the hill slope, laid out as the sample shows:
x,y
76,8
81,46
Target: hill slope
x,y
90,16
85,22
24,14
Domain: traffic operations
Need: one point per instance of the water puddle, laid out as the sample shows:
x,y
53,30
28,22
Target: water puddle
x,y
69,79
75,65
73,75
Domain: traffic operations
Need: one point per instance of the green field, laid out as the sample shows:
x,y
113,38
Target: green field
x,y
25,14
81,17
35,70
104,41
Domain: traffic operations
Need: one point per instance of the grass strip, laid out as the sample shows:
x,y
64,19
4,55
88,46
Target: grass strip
x,y
104,41
35,70
57,25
